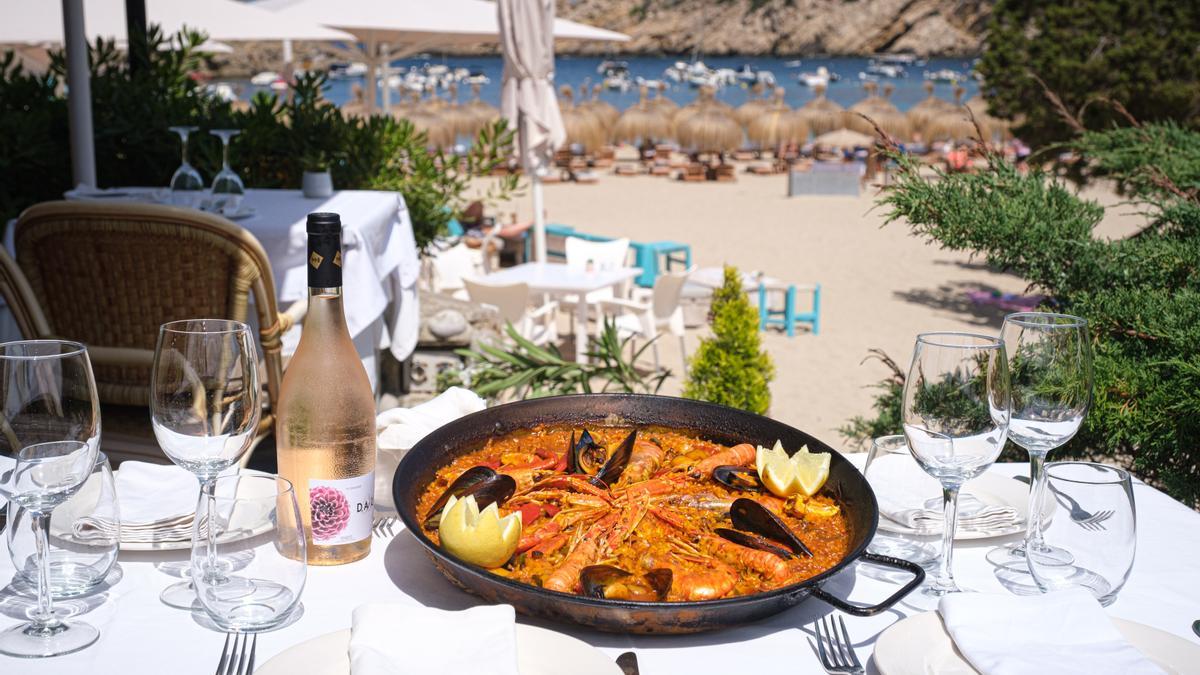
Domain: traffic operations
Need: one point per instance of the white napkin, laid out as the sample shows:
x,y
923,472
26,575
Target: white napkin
x,y
6,465
158,502
391,639
1061,632
901,485
399,429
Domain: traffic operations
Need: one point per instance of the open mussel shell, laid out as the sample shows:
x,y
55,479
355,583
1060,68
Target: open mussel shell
x,y
588,457
607,581
617,460
481,482
738,478
586,445
751,540
750,516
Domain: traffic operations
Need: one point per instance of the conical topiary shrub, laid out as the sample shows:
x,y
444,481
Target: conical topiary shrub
x,y
731,367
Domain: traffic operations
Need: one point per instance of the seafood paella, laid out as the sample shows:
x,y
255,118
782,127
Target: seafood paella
x,y
646,514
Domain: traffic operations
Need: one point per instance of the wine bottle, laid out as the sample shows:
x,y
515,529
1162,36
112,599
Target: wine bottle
x,y
325,427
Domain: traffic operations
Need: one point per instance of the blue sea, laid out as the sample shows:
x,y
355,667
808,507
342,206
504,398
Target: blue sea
x,y
575,70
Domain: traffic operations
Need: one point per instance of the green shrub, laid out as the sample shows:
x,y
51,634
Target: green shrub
x,y
1141,294
731,368
281,137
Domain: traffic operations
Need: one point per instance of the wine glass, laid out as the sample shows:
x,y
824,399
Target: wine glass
x,y
227,187
204,403
1050,368
50,422
254,516
187,187
956,409
900,485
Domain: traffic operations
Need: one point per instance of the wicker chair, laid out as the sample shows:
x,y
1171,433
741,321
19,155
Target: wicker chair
x,y
109,274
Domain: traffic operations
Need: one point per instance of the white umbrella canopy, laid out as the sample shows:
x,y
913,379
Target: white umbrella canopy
x,y
227,20
527,98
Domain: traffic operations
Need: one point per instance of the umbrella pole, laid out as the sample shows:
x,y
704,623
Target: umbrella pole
x,y
79,96
372,71
385,75
539,219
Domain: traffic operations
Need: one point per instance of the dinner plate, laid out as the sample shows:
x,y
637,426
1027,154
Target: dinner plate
x,y
993,489
920,645
539,652
248,489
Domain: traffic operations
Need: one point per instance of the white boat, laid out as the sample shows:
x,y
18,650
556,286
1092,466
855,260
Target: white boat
x,y
607,65
618,82
793,64
477,78
747,74
265,78
222,90
944,75
821,78
902,59
889,70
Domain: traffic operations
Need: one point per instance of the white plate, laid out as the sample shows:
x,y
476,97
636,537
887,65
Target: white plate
x,y
185,544
539,652
991,488
920,645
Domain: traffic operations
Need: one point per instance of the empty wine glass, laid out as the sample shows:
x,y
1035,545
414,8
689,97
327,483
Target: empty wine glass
x,y
204,403
255,517
956,416
187,187
227,187
50,419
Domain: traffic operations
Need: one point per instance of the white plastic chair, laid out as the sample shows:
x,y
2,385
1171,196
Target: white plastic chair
x,y
602,256
650,313
512,302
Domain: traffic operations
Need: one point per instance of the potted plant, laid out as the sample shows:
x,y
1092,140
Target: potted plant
x,y
316,182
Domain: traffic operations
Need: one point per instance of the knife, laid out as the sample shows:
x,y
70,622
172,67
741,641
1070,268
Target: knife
x,y
628,664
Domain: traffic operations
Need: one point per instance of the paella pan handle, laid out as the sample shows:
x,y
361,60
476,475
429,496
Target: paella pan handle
x,y
872,610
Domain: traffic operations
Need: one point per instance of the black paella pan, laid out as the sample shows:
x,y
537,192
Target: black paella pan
x,y
716,423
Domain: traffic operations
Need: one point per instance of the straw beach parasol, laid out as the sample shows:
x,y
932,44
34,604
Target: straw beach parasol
x,y
924,112
707,126
641,122
952,125
881,111
844,138
994,128
755,106
582,126
457,117
820,114
661,103
777,125
603,110
482,113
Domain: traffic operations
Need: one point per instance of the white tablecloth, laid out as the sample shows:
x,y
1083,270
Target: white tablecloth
x,y
141,635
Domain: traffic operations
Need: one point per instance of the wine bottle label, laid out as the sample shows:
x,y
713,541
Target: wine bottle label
x,y
342,509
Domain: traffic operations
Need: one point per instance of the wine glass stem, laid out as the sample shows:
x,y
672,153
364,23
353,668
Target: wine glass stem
x,y
44,617
183,138
225,153
210,535
1037,487
945,571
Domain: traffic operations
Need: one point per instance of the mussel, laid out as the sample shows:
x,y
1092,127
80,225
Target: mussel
x,y
614,583
482,482
588,457
738,478
750,516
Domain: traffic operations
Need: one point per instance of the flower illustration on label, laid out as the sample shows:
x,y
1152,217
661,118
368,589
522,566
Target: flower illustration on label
x,y
330,511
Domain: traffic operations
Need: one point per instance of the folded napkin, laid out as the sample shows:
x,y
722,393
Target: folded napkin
x,y
157,501
391,639
1061,632
399,429
904,491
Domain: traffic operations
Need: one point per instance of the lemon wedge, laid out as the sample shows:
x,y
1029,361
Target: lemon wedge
x,y
479,537
802,473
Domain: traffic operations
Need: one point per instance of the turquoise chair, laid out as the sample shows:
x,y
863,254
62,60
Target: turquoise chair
x,y
648,255
787,317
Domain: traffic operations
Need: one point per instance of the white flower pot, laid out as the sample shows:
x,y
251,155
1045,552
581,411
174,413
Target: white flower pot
x,y
317,184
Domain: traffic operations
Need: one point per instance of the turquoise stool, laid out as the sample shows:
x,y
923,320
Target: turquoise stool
x,y
455,228
647,256
787,317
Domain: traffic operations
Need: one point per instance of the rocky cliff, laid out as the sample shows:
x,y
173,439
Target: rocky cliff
x,y
785,27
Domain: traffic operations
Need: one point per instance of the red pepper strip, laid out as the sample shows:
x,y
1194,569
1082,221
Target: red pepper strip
x,y
550,509
530,513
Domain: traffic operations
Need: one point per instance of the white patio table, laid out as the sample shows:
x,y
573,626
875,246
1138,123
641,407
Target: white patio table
x,y
558,279
382,265
141,636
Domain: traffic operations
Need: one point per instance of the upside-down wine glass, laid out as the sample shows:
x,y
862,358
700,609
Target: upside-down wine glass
x,y
50,422
227,187
956,416
187,187
204,404
1050,370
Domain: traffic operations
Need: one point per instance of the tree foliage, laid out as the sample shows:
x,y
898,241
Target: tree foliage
x,y
281,136
1141,294
1140,52
731,368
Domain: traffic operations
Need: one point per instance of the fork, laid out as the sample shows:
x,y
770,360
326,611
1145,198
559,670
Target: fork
x,y
1084,518
236,661
384,526
839,658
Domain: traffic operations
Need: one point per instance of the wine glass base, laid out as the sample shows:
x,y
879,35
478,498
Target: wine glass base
x,y
181,595
897,546
27,641
1014,556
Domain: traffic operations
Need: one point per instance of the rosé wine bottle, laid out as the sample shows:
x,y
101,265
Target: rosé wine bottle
x,y
326,418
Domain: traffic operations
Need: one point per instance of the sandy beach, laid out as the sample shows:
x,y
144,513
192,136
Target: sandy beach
x,y
880,285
